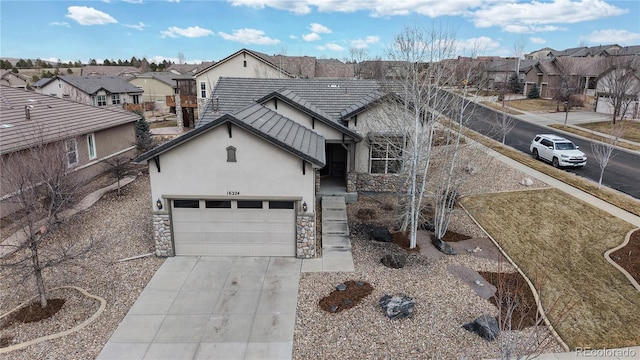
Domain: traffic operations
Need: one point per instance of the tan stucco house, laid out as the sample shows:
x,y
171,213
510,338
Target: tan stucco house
x,y
104,91
246,179
90,134
16,80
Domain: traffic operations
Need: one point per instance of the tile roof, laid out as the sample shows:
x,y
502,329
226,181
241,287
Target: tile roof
x,y
91,84
265,123
50,118
42,82
330,96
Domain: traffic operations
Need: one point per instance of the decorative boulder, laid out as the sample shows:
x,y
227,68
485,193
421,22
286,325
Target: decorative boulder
x,y
526,182
397,306
470,169
443,246
486,326
380,233
428,226
394,261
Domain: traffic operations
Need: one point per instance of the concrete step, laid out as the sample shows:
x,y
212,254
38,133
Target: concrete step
x,y
335,228
334,215
336,242
333,202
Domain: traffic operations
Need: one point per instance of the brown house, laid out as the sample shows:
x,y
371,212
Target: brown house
x,y
552,74
90,134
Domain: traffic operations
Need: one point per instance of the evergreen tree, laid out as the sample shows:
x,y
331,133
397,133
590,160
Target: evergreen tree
x,y
514,84
534,92
143,133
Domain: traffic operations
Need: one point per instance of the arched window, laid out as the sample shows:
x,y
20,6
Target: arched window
x,y
231,154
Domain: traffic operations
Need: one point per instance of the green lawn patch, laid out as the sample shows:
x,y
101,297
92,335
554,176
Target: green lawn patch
x,y
560,240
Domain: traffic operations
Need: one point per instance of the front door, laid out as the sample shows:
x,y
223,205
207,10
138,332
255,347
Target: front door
x,y
336,161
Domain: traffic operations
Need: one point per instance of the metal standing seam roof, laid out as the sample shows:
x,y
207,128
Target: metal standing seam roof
x,y
330,96
265,123
92,84
50,118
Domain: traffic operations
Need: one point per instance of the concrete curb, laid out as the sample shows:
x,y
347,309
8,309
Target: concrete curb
x,y
92,318
620,268
534,291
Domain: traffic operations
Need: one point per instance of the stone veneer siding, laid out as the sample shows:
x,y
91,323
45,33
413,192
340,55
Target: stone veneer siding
x,y
162,235
352,182
306,236
377,182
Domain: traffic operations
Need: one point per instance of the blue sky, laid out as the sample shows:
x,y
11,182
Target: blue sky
x,y
212,30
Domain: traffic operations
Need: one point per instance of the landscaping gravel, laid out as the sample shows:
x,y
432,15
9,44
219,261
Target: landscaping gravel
x,y
121,225
444,301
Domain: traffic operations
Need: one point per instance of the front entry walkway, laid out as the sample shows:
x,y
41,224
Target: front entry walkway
x,y
212,308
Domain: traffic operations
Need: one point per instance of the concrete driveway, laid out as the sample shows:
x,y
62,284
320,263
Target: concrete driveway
x,y
212,308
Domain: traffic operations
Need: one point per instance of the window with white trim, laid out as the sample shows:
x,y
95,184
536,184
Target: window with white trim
x,y
203,90
102,100
135,99
91,144
385,156
72,152
115,99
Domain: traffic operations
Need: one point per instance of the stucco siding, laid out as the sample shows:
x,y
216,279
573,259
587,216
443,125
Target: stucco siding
x,y
154,90
305,120
200,168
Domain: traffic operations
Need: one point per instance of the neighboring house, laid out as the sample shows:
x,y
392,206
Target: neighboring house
x,y
254,64
498,71
539,54
548,74
618,89
124,72
40,83
30,119
188,69
161,89
244,181
9,78
93,90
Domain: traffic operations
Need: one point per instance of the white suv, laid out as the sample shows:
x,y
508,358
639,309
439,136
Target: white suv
x,y
557,150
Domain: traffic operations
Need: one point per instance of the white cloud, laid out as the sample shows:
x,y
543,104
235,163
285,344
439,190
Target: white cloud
x,y
89,16
190,32
59,23
133,1
292,37
175,1
477,46
537,40
330,46
320,29
518,17
249,36
377,8
311,37
139,26
612,36
363,43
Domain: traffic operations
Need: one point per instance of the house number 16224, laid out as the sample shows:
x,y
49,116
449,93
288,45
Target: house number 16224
x,y
233,192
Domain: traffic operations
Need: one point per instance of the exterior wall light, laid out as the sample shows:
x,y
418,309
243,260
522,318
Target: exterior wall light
x,y
304,206
159,204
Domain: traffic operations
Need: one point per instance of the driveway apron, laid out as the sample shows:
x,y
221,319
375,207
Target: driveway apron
x,y
212,308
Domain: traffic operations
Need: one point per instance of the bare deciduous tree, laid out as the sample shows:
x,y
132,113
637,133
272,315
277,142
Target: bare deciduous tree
x,y
44,189
569,73
620,86
356,56
503,124
603,150
118,168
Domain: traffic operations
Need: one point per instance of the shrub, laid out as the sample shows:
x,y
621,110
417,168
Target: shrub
x,y
366,214
388,206
143,133
534,92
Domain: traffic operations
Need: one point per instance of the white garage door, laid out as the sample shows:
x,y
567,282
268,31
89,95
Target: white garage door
x,y
234,227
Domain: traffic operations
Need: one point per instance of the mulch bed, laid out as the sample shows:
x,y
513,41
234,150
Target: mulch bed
x,y
629,256
32,313
513,290
338,300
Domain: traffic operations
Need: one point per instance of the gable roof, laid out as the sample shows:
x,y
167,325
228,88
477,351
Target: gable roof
x,y
92,84
329,96
166,77
42,82
264,123
260,56
50,118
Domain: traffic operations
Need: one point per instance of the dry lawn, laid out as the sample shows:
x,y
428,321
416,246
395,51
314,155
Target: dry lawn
x,y
560,240
532,104
498,106
163,124
631,128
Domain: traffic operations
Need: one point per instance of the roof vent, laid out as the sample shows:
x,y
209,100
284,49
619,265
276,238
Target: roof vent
x,y
27,111
333,86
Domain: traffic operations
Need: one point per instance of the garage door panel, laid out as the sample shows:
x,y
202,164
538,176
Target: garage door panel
x,y
233,231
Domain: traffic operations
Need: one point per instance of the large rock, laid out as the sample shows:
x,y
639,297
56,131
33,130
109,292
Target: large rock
x,y
396,261
380,233
486,326
427,225
443,246
397,306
